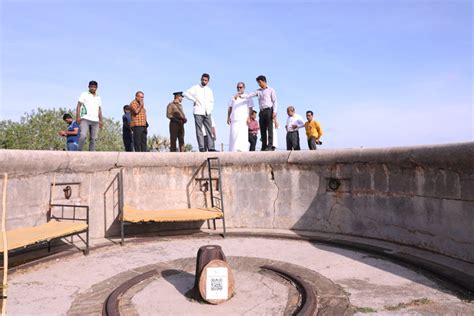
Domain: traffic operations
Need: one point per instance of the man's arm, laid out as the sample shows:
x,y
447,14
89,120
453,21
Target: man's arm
x,y
78,112
74,132
101,123
229,111
136,107
247,96
319,129
190,95
169,112
273,97
298,123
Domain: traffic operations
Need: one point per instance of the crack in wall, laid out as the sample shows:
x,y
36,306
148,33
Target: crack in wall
x,y
272,178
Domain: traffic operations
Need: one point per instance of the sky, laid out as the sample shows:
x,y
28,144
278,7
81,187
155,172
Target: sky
x,y
375,73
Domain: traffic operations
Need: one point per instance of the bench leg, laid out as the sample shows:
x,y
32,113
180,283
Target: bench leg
x,y
122,233
214,223
86,252
223,225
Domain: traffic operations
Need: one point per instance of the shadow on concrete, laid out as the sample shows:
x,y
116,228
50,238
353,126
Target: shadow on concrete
x,y
111,200
197,193
199,180
332,214
29,254
183,282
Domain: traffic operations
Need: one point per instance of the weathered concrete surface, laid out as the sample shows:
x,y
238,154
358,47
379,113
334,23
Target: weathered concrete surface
x,y
417,196
372,284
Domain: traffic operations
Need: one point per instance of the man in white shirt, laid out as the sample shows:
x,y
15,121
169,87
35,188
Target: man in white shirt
x,y
203,99
293,123
89,115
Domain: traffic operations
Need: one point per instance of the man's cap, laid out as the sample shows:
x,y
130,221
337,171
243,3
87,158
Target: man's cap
x,y
180,93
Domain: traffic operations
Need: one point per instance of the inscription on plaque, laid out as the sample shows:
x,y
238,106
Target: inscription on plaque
x,y
217,282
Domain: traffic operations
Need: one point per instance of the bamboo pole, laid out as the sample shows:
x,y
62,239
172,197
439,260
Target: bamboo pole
x,y
5,245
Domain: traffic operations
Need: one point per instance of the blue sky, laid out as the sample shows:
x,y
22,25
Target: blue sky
x,y
376,73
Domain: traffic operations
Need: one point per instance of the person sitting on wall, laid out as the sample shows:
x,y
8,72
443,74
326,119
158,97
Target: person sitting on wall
x,y
72,133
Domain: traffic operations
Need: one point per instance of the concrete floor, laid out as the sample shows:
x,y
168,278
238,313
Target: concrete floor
x,y
373,285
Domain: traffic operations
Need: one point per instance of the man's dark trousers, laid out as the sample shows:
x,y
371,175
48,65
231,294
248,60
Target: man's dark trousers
x,y
252,141
312,143
127,139
265,119
139,138
293,140
176,133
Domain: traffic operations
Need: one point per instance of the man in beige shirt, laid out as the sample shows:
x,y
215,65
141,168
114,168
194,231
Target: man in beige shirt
x,y
175,113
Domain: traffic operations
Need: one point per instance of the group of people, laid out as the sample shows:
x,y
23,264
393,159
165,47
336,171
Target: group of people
x,y
88,120
241,117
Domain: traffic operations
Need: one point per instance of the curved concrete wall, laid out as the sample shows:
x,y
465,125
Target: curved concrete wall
x,y
417,196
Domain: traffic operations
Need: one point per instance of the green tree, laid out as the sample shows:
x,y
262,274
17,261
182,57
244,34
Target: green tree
x,y
158,143
39,130
161,144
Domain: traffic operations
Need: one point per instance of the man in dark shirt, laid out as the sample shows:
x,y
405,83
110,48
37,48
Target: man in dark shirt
x,y
72,133
175,113
127,135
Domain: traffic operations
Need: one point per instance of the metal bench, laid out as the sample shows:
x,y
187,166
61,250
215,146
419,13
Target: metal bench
x,y
129,215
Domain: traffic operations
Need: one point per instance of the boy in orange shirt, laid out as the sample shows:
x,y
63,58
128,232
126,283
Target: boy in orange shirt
x,y
313,131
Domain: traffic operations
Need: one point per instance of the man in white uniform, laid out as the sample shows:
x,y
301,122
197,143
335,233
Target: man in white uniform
x,y
203,99
89,115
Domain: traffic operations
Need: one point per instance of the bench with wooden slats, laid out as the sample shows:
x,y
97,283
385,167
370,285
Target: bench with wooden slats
x,y
58,226
23,237
130,215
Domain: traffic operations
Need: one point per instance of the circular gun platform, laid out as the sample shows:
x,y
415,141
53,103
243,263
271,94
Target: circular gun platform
x,y
157,276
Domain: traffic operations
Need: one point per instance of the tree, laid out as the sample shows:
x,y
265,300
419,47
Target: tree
x,y
39,130
160,143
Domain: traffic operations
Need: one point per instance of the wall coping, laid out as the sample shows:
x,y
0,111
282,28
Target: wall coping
x,y
18,162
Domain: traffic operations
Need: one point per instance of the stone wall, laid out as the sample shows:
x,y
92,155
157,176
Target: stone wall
x,y
416,196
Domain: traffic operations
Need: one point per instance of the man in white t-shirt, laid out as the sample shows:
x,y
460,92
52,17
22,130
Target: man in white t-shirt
x,y
203,99
89,115
293,123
